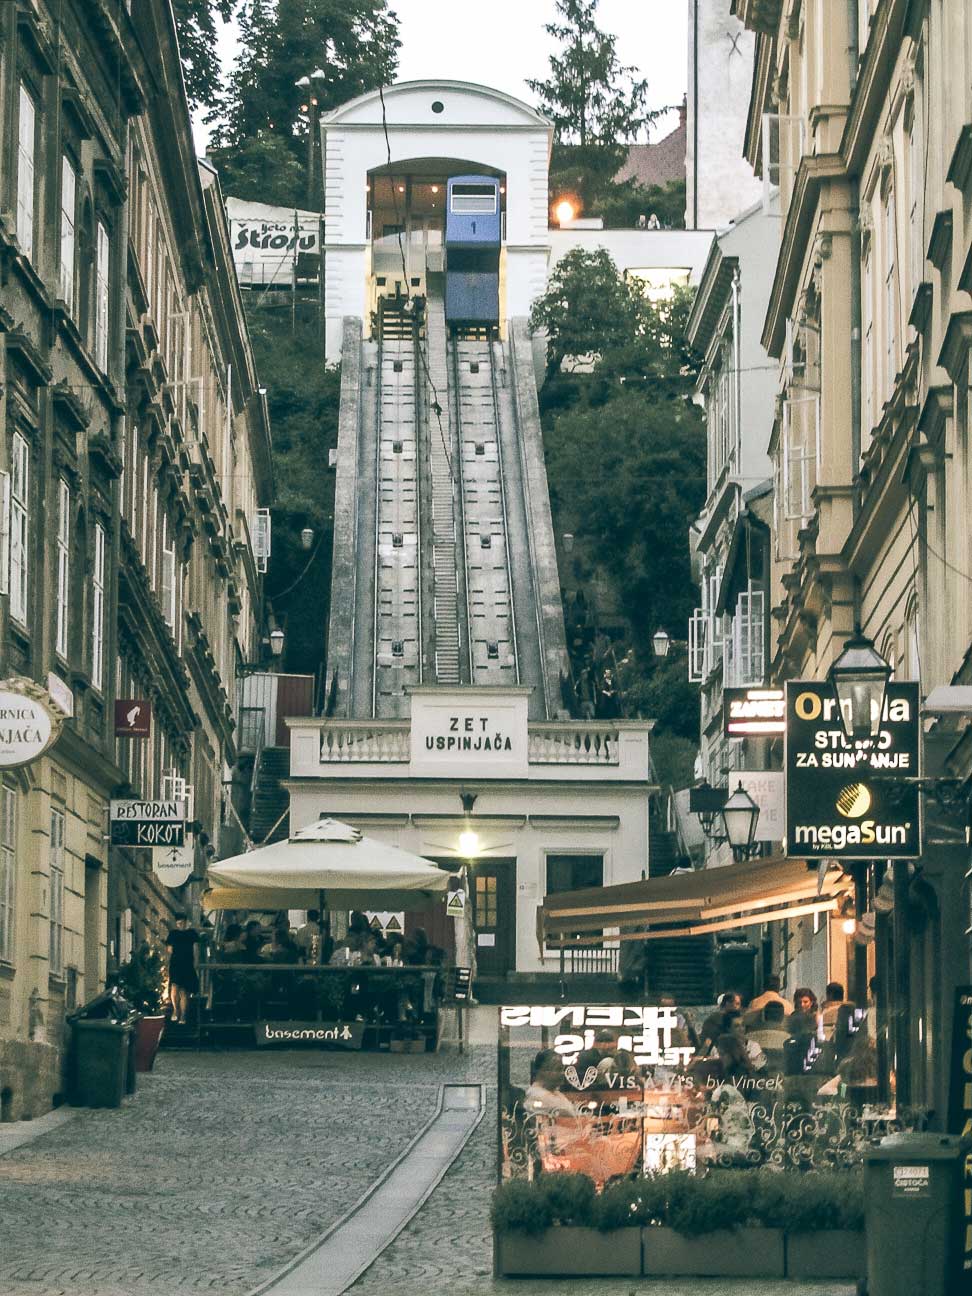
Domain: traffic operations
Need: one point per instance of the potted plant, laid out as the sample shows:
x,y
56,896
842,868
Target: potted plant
x,y
553,1227
142,982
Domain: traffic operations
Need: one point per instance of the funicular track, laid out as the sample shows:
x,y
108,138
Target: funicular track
x,y
483,516
397,660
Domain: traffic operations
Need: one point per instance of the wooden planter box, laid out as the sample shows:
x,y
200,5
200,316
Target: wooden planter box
x,y
831,1253
735,1253
565,1252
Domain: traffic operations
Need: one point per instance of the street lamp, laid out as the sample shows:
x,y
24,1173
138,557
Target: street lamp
x,y
306,538
661,642
276,641
740,815
859,678
706,803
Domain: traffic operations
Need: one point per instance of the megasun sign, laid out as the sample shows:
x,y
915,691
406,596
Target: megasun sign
x,y
846,799
469,731
30,722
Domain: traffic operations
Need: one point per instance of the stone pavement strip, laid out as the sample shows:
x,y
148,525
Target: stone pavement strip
x,y
226,1165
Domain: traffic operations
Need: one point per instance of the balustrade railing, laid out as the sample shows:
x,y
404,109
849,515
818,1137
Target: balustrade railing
x,y
365,742
548,744
573,744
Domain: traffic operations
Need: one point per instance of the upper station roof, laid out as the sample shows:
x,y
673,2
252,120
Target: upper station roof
x,y
463,103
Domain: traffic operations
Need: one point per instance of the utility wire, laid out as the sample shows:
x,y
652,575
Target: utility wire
x,y
436,403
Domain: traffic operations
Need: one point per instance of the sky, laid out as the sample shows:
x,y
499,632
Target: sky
x,y
442,38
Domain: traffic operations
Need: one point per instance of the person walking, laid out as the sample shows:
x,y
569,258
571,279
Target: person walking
x,y
181,943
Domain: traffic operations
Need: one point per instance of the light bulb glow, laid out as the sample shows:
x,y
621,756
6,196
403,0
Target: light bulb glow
x,y
468,843
849,926
564,211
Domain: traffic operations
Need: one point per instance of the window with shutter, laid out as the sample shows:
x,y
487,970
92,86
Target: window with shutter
x,y
57,893
26,142
19,521
68,208
98,609
8,869
102,297
63,550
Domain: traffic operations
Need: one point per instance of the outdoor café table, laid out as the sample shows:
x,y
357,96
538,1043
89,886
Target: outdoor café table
x,y
391,1002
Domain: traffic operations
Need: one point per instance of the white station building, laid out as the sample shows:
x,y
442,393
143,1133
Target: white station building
x,y
447,727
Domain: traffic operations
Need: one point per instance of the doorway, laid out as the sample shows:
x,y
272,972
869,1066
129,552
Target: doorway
x,y
93,938
493,893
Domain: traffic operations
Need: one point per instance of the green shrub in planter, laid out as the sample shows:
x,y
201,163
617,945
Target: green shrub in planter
x,y
569,1198
706,1204
517,1207
631,1202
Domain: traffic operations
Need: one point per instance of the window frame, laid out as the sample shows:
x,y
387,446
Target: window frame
x,y
102,311
62,597
19,528
56,908
8,869
98,609
26,171
67,260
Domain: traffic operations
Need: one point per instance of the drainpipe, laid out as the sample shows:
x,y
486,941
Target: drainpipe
x,y
695,114
737,367
855,339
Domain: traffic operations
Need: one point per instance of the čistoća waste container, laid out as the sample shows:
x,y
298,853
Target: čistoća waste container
x,y
913,1201
103,1051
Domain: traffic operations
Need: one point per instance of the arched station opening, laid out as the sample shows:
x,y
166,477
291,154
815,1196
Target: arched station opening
x,y
406,225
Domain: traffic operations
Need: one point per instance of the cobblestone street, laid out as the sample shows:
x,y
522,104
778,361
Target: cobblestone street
x,y
219,1171
226,1164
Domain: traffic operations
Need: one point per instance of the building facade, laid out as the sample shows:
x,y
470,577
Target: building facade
x,y
718,180
76,86
729,633
861,115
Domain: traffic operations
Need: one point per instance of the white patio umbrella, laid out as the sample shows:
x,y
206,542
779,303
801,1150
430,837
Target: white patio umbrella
x,y
351,870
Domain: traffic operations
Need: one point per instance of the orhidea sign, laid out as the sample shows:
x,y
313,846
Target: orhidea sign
x,y
30,722
851,800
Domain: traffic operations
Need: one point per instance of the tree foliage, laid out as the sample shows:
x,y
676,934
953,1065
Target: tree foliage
x,y
303,397
354,42
626,460
590,96
596,104
263,169
196,25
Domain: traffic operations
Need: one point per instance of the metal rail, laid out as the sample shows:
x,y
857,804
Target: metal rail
x,y
489,431
391,617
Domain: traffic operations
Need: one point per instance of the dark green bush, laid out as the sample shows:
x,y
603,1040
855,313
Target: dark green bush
x,y
569,1198
517,1207
692,1204
631,1202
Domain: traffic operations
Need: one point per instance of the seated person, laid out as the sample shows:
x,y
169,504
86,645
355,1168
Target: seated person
x,y
253,942
770,1033
231,950
310,930
282,948
834,1000
716,1023
341,956
546,1077
754,1010
417,947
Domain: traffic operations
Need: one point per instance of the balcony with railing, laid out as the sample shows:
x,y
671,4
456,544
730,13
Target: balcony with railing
x,y
614,749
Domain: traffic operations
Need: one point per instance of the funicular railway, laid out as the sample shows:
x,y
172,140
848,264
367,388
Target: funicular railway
x,y
445,591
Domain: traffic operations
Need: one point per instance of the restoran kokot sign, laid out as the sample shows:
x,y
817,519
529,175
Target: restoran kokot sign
x,y
851,799
650,1035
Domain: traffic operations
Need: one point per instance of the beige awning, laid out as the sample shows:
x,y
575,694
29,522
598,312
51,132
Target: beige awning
x,y
351,870
692,903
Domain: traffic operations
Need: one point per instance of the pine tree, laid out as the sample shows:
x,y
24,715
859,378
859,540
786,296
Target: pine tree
x,y
591,97
196,24
284,41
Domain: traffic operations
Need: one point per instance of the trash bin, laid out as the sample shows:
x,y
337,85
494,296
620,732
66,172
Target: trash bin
x,y
913,1201
102,1064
